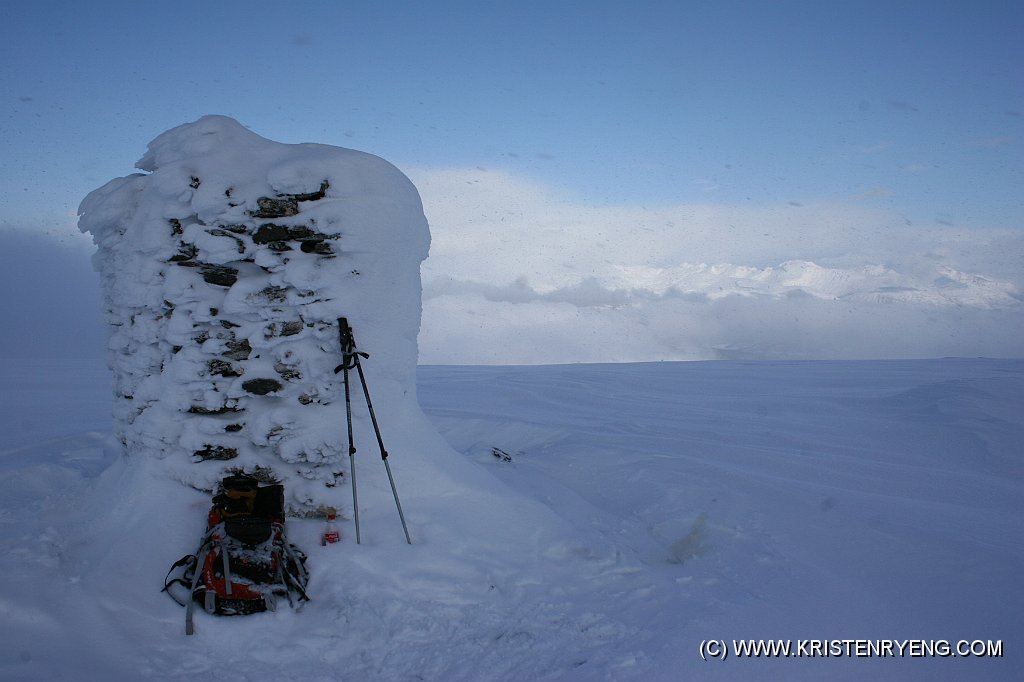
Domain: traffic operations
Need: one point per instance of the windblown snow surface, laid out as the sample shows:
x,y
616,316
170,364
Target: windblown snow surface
x,y
646,508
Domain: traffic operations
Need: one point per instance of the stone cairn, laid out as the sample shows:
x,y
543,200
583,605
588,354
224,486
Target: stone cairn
x,y
232,368
223,293
237,360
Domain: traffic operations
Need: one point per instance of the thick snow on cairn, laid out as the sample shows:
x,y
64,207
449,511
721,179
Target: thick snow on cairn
x,y
226,266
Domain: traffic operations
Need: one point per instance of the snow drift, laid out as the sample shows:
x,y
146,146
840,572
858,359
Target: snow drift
x,y
724,500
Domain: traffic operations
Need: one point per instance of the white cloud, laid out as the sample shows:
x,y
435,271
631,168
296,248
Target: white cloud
x,y
519,273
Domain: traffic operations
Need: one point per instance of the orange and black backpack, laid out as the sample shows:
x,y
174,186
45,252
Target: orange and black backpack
x,y
244,563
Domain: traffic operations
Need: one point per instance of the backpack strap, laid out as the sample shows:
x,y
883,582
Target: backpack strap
x,y
227,567
190,607
190,561
299,578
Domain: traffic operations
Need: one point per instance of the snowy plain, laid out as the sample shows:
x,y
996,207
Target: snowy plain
x,y
646,508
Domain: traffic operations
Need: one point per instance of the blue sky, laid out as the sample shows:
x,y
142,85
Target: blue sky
x,y
919,105
911,112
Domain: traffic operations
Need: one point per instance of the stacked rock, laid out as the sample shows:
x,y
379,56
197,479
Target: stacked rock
x,y
225,269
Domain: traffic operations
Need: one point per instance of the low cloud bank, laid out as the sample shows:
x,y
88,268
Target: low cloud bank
x,y
519,274
52,305
470,328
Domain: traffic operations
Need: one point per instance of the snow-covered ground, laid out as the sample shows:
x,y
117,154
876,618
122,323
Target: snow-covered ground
x,y
646,508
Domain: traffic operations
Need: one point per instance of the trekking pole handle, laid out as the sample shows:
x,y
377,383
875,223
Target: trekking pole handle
x,y
348,342
348,346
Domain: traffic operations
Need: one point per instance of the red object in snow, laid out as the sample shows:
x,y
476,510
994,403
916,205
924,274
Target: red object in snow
x,y
331,533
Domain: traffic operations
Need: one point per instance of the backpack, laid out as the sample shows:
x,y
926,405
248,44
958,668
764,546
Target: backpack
x,y
244,563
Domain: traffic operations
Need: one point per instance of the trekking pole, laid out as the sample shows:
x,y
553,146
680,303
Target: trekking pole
x,y
346,331
348,352
383,452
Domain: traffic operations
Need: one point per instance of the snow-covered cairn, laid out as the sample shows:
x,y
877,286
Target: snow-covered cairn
x,y
225,267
